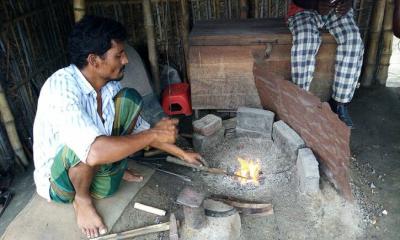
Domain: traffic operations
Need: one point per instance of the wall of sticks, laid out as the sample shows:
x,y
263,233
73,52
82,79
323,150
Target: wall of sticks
x,y
34,34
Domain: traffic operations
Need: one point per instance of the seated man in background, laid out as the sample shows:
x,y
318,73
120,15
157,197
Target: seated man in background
x,y
86,125
306,18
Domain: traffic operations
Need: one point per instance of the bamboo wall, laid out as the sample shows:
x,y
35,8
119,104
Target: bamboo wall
x,y
32,46
34,36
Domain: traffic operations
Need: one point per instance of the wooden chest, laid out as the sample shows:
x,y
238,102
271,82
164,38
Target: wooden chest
x,y
222,54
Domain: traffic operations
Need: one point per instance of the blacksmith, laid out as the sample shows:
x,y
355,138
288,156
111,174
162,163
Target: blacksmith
x,y
306,18
86,125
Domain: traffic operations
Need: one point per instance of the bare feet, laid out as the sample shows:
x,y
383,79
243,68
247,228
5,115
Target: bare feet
x,y
88,219
131,176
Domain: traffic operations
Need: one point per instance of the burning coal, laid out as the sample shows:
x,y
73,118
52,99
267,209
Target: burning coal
x,y
249,170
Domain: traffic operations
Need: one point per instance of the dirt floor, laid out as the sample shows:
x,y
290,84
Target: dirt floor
x,y
375,145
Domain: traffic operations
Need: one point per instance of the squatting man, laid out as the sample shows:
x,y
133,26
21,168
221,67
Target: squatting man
x,y
86,125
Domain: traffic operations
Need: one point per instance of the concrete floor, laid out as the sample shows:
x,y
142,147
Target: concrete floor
x,y
375,144
375,168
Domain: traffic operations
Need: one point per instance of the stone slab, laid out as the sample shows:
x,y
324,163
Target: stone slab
x,y
41,220
287,140
256,120
307,171
207,125
202,143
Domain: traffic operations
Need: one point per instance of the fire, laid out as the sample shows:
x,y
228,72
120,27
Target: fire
x,y
248,169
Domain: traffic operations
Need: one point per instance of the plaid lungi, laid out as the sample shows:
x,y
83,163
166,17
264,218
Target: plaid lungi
x,y
128,104
305,27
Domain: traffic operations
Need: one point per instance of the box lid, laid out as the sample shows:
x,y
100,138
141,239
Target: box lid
x,y
243,32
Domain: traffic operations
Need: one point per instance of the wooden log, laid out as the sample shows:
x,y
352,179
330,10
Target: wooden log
x,y
136,232
151,44
396,18
369,70
386,45
9,124
79,9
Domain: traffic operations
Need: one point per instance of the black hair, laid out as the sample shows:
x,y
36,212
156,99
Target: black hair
x,y
93,35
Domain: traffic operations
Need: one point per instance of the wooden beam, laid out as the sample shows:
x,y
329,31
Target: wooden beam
x,y
368,75
386,45
151,44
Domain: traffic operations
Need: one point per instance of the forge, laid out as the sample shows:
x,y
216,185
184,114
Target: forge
x,y
285,166
262,152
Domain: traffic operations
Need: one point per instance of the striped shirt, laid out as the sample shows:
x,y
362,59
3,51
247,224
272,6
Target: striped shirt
x,y
67,115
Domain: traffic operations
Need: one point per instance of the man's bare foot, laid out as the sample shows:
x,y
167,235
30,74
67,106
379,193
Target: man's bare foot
x,y
131,176
89,221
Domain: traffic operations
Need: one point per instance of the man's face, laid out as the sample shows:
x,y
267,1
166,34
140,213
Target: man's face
x,y
112,63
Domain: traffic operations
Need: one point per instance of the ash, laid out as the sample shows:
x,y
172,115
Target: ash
x,y
274,179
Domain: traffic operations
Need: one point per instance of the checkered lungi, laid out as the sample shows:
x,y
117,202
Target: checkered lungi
x,y
128,104
305,27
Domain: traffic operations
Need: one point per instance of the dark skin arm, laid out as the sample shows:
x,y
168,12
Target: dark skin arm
x,y
109,149
396,18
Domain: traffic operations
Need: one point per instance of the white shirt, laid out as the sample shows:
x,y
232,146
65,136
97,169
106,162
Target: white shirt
x,y
67,115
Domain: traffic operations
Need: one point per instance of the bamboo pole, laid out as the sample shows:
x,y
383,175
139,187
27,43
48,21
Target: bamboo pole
x,y
375,32
244,9
79,9
151,44
9,124
256,8
386,46
185,36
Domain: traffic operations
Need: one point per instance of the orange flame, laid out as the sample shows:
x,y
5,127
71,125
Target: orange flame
x,y
250,170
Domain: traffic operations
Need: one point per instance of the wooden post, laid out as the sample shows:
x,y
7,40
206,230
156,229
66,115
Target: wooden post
x,y
244,9
375,32
79,9
9,124
185,36
151,44
396,18
386,46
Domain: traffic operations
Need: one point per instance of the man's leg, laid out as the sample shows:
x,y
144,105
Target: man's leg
x,y
71,183
74,181
349,57
306,42
88,220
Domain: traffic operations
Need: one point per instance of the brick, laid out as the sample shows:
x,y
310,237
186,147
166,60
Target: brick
x,y
207,125
254,120
202,143
307,171
287,140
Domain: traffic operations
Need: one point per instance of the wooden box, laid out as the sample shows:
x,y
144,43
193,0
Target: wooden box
x,y
222,54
